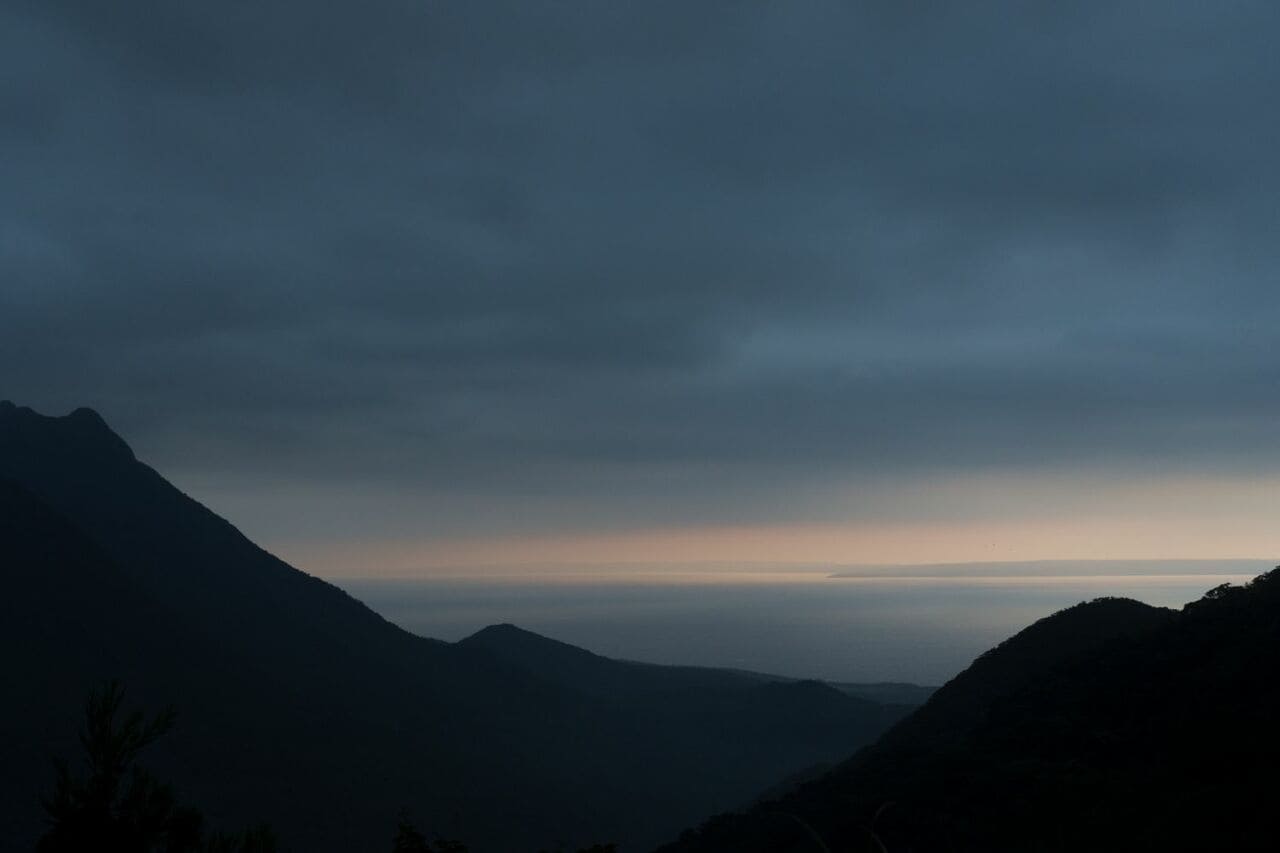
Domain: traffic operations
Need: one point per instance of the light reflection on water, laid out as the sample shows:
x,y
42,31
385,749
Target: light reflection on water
x,y
917,627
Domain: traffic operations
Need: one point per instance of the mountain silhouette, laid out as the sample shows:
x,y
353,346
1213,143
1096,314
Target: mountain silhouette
x,y
765,714
1108,726
580,669
301,706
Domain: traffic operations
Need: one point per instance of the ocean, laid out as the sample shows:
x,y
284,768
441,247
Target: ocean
x,y
920,624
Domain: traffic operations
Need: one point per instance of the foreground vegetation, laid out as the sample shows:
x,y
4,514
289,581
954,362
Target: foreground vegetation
x,y
114,805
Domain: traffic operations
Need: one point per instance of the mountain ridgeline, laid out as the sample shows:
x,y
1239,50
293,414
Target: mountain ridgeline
x,y
300,706
1110,726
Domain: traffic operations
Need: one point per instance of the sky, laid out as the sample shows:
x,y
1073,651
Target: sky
x,y
413,287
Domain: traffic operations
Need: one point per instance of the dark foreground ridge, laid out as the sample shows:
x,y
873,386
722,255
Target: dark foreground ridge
x,y
301,707
1110,726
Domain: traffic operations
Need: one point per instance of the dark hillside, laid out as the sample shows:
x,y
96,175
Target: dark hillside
x,y
622,680
769,718
301,706
1109,726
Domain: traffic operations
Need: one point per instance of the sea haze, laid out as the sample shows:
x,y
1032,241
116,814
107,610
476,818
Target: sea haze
x,y
874,623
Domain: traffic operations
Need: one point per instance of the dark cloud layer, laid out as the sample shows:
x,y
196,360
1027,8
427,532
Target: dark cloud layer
x,y
561,246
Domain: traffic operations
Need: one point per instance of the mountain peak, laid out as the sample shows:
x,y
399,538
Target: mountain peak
x,y
84,414
81,433
505,630
508,636
517,645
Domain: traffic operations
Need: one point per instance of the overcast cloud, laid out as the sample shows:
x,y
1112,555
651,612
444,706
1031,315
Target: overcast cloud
x,y
652,262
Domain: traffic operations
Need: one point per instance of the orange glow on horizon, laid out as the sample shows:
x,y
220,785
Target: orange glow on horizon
x,y
817,546
1069,517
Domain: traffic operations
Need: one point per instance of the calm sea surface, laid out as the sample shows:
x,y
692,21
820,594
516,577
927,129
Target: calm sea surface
x,y
919,624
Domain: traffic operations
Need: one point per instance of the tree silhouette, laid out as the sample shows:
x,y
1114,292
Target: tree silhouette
x,y
116,806
409,840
